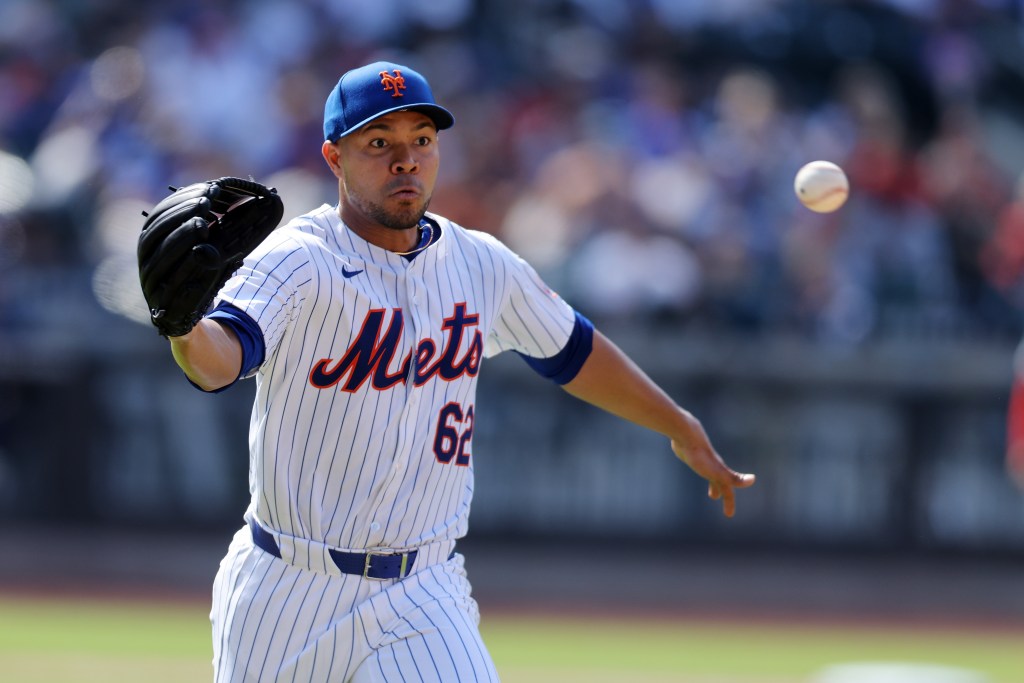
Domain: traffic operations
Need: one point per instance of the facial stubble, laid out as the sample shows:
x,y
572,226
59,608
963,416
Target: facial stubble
x,y
393,219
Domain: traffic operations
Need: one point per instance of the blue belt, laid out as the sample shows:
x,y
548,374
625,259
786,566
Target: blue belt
x,y
371,565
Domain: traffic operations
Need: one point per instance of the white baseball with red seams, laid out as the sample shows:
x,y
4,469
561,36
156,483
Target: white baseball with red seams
x,y
821,186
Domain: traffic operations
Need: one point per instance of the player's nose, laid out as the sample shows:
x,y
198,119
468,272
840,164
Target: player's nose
x,y
404,162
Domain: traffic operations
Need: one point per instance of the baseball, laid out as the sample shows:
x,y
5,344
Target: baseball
x,y
821,186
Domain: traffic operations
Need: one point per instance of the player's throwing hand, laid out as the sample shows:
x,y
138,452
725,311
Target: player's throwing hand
x,y
698,453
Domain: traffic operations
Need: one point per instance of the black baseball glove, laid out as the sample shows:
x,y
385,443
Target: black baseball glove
x,y
194,240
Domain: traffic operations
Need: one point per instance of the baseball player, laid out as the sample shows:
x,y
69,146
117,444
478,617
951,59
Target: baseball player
x,y
365,325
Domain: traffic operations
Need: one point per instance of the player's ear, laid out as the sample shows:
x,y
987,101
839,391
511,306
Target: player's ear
x,y
332,155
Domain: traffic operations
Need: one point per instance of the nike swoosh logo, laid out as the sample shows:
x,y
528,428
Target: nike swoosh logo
x,y
349,273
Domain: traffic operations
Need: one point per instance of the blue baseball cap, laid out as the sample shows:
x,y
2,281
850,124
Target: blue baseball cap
x,y
363,94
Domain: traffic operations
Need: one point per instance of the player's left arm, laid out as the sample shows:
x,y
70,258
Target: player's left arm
x,y
610,380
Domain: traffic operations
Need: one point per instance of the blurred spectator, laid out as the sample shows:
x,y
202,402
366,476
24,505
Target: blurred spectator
x,y
1001,256
1015,422
641,163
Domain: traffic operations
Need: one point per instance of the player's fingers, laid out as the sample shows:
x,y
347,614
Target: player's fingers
x,y
725,493
728,501
742,481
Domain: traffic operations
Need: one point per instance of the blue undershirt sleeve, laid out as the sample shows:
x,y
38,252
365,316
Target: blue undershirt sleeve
x,y
564,365
249,336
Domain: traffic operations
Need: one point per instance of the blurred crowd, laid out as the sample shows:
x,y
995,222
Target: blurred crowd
x,y
640,153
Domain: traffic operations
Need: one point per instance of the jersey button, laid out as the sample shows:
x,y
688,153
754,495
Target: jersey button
x,y
374,526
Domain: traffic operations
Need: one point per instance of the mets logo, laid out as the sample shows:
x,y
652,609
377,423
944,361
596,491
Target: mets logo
x,y
395,83
374,354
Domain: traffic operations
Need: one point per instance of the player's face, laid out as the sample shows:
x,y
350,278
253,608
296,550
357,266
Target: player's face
x,y
388,169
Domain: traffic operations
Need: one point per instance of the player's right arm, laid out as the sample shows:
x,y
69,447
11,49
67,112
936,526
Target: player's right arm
x,y
210,355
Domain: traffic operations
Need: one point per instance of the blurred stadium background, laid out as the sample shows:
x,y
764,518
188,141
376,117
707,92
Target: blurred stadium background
x,y
640,153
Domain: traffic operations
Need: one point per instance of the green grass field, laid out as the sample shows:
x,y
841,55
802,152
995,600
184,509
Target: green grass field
x,y
50,641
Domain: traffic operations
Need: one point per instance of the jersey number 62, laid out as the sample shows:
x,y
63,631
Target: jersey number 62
x,y
454,431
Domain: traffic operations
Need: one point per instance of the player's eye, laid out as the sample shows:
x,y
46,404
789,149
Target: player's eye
x,y
378,143
424,141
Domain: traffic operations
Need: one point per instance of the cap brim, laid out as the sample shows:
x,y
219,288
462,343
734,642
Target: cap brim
x,y
441,117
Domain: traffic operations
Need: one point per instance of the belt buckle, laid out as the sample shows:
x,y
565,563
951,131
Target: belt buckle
x,y
369,558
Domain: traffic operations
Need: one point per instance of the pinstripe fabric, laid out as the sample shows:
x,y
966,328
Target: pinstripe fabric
x,y
275,621
361,437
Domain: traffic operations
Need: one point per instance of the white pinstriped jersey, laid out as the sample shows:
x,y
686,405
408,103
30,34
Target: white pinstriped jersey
x,y
361,432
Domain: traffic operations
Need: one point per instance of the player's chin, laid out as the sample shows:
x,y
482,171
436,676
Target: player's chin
x,y
407,213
